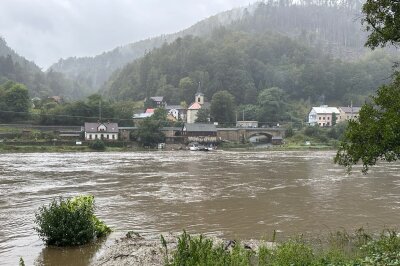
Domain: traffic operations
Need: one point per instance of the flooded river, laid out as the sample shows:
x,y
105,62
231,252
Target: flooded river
x,y
229,194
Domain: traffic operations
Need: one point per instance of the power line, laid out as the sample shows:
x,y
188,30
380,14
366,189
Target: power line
x,y
67,116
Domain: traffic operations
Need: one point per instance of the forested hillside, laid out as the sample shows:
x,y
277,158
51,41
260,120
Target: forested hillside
x,y
16,68
244,64
333,27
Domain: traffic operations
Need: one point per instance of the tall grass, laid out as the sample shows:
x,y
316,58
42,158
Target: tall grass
x,y
339,248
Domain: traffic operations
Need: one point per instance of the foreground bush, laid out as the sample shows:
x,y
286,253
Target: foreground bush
x,y
342,249
69,222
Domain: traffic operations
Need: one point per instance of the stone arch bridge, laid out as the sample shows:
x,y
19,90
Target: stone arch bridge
x,y
244,134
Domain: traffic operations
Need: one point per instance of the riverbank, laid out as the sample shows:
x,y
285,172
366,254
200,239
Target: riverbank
x,y
12,148
134,249
338,248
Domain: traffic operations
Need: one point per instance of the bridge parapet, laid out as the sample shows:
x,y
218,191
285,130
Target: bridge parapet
x,y
240,134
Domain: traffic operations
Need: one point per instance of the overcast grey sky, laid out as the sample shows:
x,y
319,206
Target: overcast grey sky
x,y
46,30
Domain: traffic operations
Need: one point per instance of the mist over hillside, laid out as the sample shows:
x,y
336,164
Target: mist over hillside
x,y
16,68
94,71
333,27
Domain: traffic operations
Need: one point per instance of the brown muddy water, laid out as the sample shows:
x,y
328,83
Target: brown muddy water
x,y
228,194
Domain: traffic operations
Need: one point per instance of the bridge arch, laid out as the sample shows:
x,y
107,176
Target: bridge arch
x,y
259,137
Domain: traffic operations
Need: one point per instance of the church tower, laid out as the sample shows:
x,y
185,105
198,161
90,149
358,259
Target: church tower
x,y
199,96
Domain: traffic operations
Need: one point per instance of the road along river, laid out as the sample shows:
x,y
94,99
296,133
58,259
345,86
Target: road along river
x,y
223,193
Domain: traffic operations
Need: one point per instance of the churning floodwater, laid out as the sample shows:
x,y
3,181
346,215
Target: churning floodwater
x,y
229,194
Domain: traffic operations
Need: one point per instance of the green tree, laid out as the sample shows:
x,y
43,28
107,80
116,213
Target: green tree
x,y
334,119
187,89
382,20
248,112
149,133
272,102
222,108
96,103
376,133
160,114
16,102
203,116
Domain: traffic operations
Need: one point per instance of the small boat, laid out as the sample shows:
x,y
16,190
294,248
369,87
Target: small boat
x,y
194,146
203,148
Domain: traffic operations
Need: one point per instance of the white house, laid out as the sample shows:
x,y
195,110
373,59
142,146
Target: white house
x,y
322,116
177,111
103,131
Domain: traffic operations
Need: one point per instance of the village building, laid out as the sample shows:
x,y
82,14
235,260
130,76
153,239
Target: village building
x,y
137,118
157,101
103,131
56,99
347,113
323,116
199,132
176,111
194,108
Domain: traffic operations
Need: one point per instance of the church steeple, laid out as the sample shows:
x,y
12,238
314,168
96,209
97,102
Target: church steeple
x,y
199,96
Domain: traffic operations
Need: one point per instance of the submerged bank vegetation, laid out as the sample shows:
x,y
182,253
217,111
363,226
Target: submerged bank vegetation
x,y
69,222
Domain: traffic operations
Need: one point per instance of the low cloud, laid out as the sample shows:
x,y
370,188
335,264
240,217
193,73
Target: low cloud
x,y
46,30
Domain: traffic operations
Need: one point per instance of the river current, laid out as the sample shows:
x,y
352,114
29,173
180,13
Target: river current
x,y
224,193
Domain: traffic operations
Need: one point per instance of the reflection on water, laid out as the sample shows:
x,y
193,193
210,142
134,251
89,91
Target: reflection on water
x,y
76,256
231,194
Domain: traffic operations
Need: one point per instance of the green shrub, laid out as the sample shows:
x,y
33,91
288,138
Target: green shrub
x,y
383,251
199,250
341,249
289,132
293,252
97,145
312,131
69,222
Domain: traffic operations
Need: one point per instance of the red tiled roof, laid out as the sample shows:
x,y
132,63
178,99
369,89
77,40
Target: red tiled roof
x,y
194,106
150,110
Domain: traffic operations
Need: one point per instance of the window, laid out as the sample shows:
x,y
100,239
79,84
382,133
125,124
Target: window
x,y
108,136
90,136
319,118
323,118
96,137
327,123
323,124
113,136
198,99
329,118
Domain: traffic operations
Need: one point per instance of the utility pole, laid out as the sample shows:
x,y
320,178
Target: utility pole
x,y
351,104
100,111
